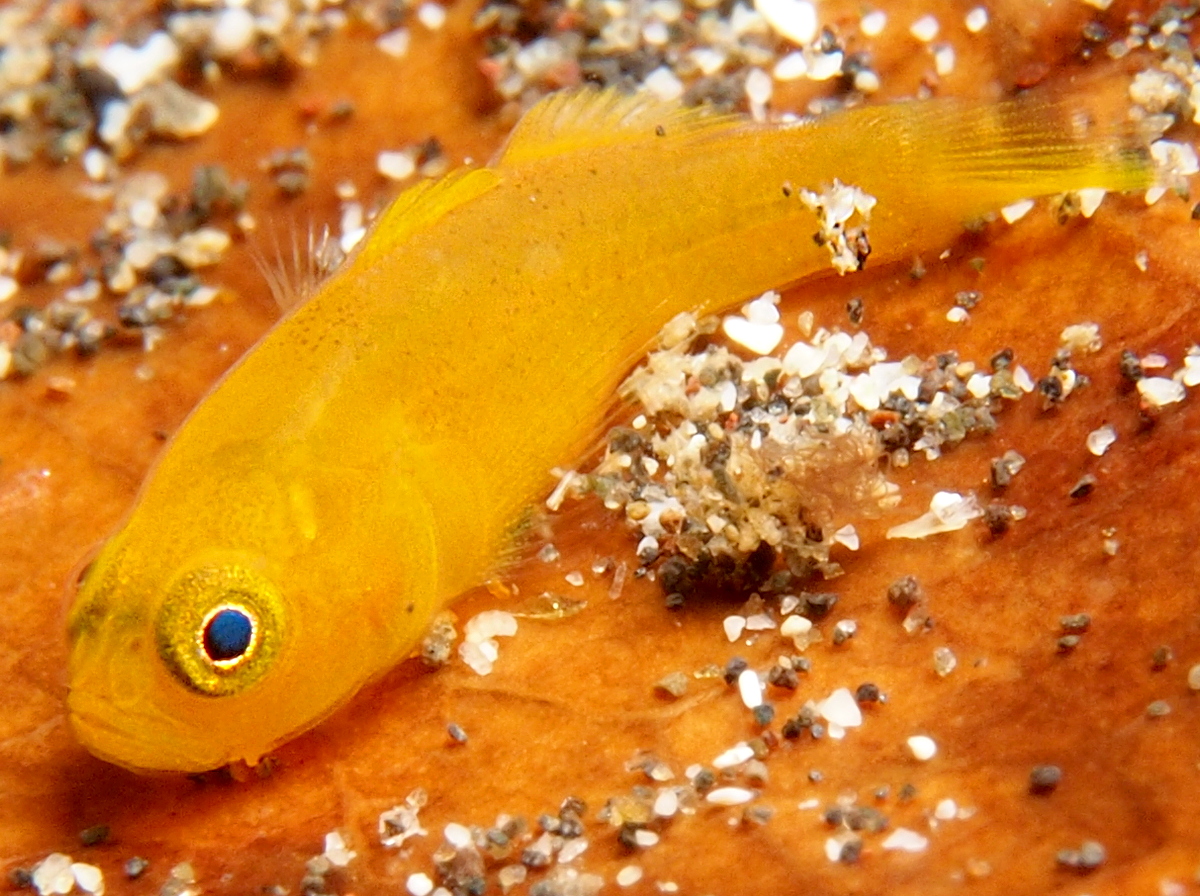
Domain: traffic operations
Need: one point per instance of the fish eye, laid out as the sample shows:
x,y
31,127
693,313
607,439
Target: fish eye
x,y
228,634
220,628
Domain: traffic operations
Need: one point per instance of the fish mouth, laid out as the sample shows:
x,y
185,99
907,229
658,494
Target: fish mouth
x,y
133,741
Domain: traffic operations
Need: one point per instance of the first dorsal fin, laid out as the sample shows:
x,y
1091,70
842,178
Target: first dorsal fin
x,y
587,118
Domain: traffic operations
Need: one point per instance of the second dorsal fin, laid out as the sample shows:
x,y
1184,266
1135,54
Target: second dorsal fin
x,y
587,118
424,203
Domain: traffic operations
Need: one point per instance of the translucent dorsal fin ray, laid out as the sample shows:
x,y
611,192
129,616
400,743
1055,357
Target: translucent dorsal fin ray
x,y
294,271
588,118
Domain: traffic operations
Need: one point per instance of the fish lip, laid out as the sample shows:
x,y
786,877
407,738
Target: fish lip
x,y
121,745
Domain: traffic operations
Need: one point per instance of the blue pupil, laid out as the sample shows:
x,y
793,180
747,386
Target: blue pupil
x,y
227,635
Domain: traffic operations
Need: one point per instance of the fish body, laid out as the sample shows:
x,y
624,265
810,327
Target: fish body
x,y
367,460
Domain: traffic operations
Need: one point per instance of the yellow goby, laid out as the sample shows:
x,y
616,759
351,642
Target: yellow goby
x,y
365,462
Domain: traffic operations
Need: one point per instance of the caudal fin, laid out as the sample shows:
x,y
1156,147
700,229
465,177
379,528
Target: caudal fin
x,y
1035,146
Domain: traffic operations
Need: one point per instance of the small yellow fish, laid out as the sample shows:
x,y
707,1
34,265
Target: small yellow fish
x,y
366,461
